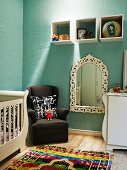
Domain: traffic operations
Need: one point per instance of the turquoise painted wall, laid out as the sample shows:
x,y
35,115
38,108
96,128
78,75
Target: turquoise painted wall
x,y
11,44
25,41
45,63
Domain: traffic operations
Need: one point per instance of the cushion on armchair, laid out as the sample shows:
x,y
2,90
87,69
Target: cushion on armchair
x,y
38,107
43,104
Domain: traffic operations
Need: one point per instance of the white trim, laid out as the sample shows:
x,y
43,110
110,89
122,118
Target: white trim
x,y
117,147
13,93
85,132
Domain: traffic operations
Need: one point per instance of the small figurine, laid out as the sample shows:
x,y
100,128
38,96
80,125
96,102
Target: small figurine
x,y
49,114
117,89
55,37
63,37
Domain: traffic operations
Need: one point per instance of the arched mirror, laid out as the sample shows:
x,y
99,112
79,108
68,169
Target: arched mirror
x,y
89,80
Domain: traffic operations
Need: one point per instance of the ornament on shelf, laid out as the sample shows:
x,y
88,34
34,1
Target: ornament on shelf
x,y
111,29
55,37
63,37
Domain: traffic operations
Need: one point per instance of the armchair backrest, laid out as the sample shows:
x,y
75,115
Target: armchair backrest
x,y
42,90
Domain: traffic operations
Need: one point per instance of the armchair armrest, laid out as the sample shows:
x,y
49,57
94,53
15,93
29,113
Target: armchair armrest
x,y
31,115
62,113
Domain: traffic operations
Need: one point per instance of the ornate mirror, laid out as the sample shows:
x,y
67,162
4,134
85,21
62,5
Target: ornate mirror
x,y
89,80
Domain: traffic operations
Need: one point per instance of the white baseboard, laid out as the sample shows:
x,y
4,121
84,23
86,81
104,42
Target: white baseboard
x,y
85,132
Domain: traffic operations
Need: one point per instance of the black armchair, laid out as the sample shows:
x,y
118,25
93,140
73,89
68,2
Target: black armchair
x,y
43,131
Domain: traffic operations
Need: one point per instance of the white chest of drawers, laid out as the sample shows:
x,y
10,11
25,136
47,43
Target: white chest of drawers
x,y
114,127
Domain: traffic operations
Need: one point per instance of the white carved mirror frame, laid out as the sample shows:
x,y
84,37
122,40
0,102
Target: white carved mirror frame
x,y
85,60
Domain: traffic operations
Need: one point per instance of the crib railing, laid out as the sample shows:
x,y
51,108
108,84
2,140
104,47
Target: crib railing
x,y
11,119
13,122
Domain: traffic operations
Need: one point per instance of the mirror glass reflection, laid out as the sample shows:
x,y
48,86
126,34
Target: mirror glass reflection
x,y
89,86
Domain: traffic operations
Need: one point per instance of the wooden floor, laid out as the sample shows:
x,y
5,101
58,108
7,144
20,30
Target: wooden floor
x,y
89,143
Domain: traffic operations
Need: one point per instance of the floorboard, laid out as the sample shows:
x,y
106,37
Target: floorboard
x,y
83,142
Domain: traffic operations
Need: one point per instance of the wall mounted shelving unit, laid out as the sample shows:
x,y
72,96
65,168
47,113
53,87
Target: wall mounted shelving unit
x,y
86,30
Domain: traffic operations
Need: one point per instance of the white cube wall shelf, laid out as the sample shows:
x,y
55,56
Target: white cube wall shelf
x,y
89,27
72,29
62,28
115,21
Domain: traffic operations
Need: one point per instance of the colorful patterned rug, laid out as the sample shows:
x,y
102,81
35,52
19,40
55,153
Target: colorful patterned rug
x,y
49,157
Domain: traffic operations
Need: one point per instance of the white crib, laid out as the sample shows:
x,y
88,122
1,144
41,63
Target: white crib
x,y
13,122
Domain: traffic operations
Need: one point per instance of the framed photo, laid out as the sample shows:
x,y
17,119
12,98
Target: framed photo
x,y
81,33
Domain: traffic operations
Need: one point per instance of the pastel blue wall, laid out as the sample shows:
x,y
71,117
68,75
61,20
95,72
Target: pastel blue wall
x,y
45,63
11,44
28,57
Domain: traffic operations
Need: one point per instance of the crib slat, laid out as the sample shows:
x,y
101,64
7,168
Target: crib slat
x,y
22,116
4,134
9,122
13,121
18,118
0,125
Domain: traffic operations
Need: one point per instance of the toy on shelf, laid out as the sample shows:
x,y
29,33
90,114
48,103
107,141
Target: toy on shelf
x,y
55,37
117,89
63,37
